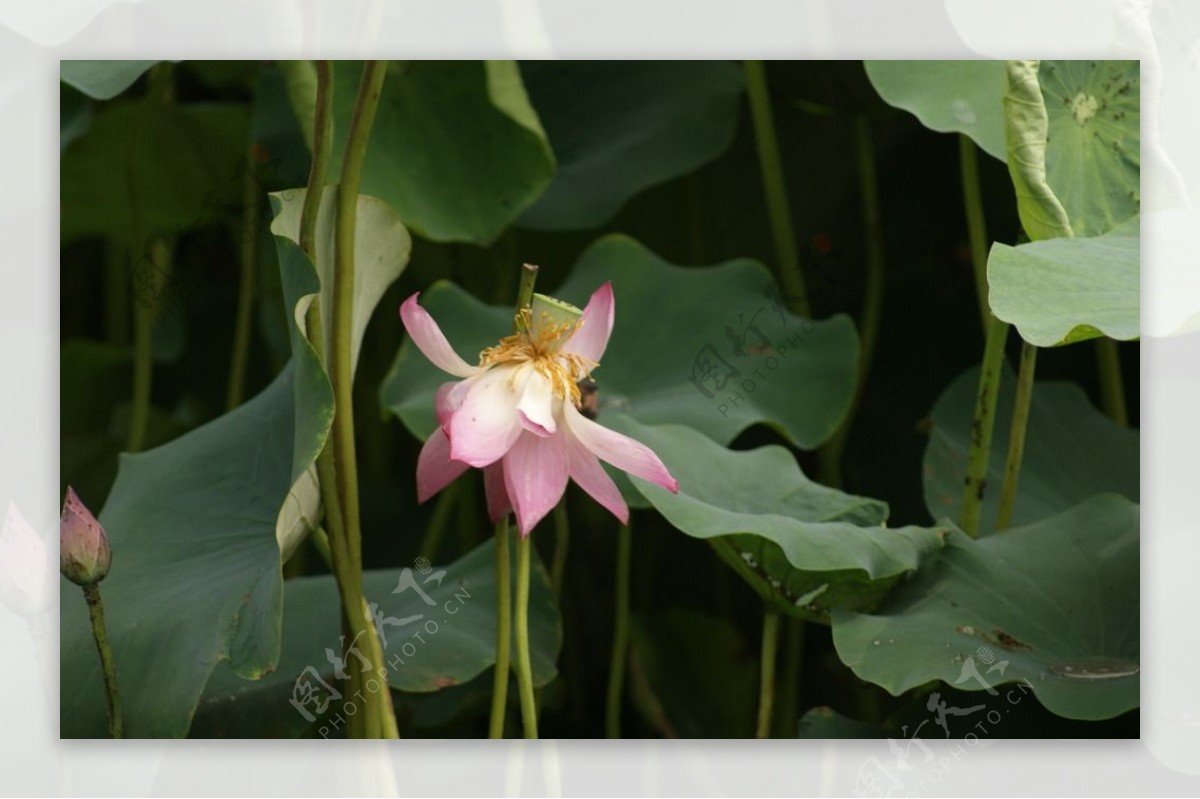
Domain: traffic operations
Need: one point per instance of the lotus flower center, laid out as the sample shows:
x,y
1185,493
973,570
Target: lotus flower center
x,y
539,345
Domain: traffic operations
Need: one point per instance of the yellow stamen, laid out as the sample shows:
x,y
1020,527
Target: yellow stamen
x,y
540,348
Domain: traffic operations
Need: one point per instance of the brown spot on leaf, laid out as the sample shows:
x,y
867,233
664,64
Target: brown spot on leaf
x,y
444,682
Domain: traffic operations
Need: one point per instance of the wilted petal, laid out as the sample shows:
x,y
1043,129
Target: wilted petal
x,y
497,495
595,326
535,476
537,405
430,340
487,424
621,451
585,469
435,470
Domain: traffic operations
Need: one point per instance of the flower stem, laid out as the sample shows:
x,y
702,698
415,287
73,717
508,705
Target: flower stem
x,y
112,696
793,659
347,547
1016,436
778,208
322,145
981,428
521,619
503,631
562,532
766,685
968,160
144,316
438,522
1112,394
872,310
245,312
620,648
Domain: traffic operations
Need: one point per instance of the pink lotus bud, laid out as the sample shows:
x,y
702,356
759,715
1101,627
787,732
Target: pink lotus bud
x,y
84,555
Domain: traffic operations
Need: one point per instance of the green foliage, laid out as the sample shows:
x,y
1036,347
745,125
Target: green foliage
x,y
1065,290
1056,601
102,80
456,148
621,172
440,629
618,127
947,96
1072,452
803,547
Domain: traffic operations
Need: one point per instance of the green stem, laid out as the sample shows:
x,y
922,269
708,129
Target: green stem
x,y
1112,391
529,273
793,660
976,229
438,522
562,533
503,631
116,294
158,93
766,684
1016,436
521,623
144,315
339,468
982,426
245,312
830,456
620,648
112,696
778,208
322,145
320,542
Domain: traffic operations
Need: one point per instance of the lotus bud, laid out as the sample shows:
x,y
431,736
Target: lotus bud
x,y
84,554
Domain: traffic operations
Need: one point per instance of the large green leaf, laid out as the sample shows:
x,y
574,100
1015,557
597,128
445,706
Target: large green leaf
x,y
618,127
767,364
185,164
666,677
452,641
381,249
198,524
195,576
1072,451
456,148
1069,289
947,96
804,547
1093,156
102,80
1056,602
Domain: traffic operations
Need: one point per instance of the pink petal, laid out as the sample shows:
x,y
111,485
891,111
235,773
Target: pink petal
x,y
497,495
430,340
537,405
435,470
595,326
621,451
448,399
535,475
487,424
585,469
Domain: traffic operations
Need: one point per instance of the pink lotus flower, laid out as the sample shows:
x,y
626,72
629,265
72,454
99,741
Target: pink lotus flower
x,y
516,416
